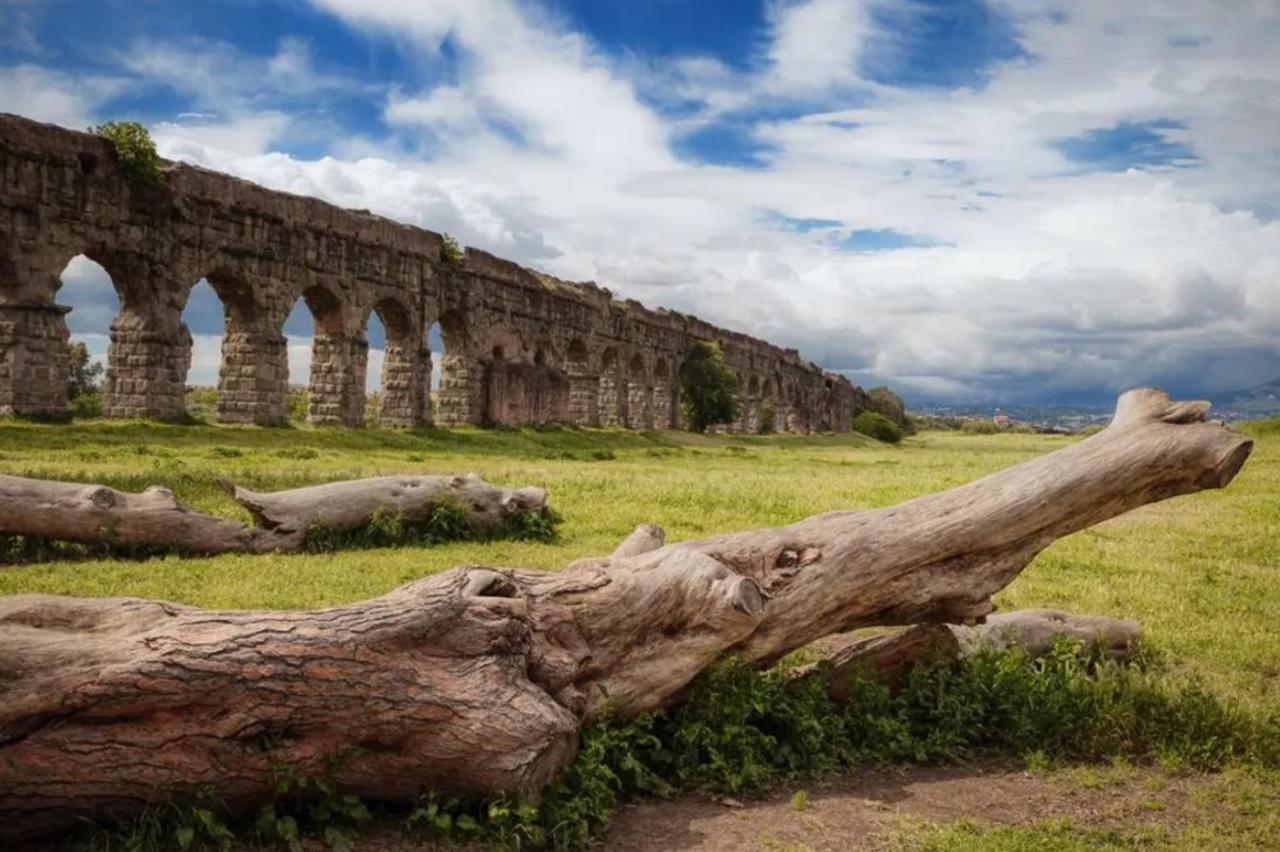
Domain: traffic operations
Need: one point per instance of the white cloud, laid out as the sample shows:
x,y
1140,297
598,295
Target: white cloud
x,y
47,95
816,44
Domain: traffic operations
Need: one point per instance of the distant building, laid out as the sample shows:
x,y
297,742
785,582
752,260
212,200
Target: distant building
x,y
1002,420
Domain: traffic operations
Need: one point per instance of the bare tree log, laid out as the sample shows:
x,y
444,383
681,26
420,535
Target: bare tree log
x,y
96,514
478,679
889,657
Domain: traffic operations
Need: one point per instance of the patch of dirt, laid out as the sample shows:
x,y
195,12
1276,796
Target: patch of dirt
x,y
864,811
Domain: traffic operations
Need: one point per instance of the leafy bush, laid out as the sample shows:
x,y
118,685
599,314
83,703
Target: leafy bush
x,y
446,522
296,402
886,402
135,151
202,404
86,405
708,388
877,426
451,253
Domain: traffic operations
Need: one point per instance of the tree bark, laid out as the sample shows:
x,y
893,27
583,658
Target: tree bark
x,y
96,514
477,679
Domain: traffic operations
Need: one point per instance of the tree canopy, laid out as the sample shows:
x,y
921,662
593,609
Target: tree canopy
x,y
709,389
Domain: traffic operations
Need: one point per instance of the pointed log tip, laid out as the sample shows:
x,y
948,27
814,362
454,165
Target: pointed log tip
x,y
1221,474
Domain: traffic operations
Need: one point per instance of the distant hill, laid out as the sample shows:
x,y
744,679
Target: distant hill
x,y
1260,401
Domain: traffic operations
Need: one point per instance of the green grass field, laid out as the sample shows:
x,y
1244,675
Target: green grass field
x,y
1201,573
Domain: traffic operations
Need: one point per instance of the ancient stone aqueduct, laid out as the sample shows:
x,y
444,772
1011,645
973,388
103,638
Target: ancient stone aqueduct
x,y
520,347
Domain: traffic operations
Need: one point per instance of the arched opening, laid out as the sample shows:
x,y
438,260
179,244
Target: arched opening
x,y
612,390
584,385
639,394
88,290
397,367
326,367
665,395
497,354
459,380
205,319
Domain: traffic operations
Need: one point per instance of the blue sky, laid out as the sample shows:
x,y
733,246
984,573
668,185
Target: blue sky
x,y
998,200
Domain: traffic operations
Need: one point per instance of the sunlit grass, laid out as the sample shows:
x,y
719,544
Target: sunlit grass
x,y
1201,573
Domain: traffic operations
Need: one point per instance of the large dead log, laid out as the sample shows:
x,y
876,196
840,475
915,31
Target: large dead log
x,y
478,679
96,514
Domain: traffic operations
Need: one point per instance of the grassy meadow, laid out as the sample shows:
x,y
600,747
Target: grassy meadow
x,y
1201,573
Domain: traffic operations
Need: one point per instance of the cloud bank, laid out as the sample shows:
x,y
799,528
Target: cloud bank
x,y
1082,199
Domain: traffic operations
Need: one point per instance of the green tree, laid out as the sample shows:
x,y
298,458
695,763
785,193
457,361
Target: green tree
x,y
83,373
888,403
878,426
135,151
709,389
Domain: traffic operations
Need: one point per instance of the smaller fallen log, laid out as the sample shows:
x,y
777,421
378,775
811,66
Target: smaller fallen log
x,y
889,657
95,514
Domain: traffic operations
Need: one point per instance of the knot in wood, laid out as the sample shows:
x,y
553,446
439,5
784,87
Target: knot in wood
x,y
101,497
797,558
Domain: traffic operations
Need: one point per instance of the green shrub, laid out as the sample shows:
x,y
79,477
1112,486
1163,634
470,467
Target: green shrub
x,y
296,402
451,253
135,151
885,401
86,405
446,522
202,404
877,426
708,388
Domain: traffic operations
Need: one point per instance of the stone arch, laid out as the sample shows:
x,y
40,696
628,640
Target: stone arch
x,y
253,361
502,355
612,389
150,348
639,394
35,330
339,358
403,384
665,394
460,397
584,385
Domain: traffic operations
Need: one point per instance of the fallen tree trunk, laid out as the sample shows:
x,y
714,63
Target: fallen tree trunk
x,y
96,514
478,679
890,657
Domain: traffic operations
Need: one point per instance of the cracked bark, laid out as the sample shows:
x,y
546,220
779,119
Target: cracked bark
x,y
478,679
96,514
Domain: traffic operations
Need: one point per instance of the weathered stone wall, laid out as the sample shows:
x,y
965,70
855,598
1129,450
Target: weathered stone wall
x,y
520,347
